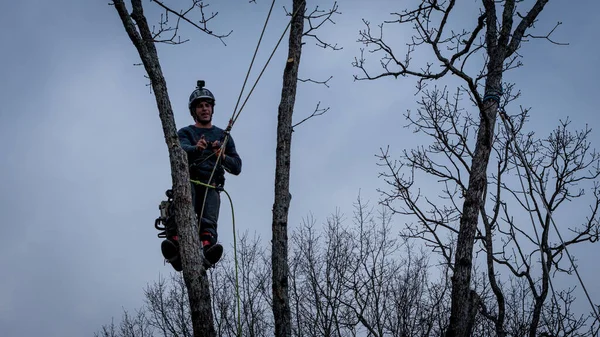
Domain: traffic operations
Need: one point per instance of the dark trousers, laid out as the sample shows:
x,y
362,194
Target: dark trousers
x,y
212,205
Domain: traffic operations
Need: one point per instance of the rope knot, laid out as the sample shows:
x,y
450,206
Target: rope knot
x,y
229,126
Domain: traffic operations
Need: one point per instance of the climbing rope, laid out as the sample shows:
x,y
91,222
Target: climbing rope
x,y
226,138
222,150
254,56
237,288
547,207
235,116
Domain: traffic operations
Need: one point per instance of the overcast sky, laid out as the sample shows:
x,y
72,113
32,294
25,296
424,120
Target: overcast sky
x,y
84,162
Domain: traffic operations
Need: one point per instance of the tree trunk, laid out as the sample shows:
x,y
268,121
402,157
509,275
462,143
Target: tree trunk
x,y
193,270
462,313
460,320
500,45
279,257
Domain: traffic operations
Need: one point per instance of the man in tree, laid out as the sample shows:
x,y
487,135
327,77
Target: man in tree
x,y
203,142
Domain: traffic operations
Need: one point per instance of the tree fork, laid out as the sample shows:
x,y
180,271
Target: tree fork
x,y
499,47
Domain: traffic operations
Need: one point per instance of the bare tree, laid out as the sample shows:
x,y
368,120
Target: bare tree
x,y
144,39
321,261
347,278
285,127
279,252
392,294
538,178
168,307
557,318
165,313
244,285
551,171
351,280
497,36
131,326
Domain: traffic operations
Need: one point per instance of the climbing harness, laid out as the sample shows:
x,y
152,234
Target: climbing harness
x,y
165,206
165,224
227,131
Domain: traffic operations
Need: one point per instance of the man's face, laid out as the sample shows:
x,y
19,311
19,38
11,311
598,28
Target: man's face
x,y
204,112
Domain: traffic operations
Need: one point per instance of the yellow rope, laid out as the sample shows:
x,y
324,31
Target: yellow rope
x,y
237,288
233,119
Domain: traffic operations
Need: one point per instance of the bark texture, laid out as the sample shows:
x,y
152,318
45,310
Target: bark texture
x,y
193,270
500,45
279,257
462,315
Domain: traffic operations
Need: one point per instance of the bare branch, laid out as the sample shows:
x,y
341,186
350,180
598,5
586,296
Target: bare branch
x,y
547,36
316,82
317,112
525,23
321,16
202,23
164,27
460,43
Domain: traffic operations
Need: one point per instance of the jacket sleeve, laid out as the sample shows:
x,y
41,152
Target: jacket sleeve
x,y
232,162
186,140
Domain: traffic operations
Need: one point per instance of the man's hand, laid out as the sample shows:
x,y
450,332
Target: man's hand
x,y
216,146
201,145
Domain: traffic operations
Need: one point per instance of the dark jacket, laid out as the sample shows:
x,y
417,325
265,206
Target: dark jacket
x,y
202,162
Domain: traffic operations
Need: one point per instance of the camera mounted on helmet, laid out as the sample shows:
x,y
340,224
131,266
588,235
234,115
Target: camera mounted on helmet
x,y
200,93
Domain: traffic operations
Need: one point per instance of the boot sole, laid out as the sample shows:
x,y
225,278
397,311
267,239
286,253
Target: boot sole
x,y
169,249
214,253
170,252
176,263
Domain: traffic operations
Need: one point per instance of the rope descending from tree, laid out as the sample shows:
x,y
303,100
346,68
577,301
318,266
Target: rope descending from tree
x,y
227,132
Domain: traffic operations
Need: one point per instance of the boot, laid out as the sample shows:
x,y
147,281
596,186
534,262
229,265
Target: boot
x,y
212,250
170,251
